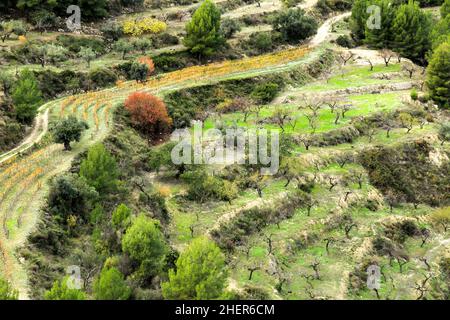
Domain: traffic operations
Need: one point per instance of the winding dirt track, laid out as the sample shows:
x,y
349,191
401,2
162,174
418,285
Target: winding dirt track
x,y
24,178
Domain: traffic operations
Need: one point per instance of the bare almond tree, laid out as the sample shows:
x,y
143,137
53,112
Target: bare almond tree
x,y
312,121
346,56
410,68
387,55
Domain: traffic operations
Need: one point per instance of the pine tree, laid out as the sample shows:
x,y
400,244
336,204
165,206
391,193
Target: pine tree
x,y
438,75
61,291
203,33
359,18
145,244
26,97
100,170
383,37
412,28
200,272
111,285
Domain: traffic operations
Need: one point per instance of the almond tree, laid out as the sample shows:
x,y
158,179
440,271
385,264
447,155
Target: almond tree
x,y
409,67
387,55
346,56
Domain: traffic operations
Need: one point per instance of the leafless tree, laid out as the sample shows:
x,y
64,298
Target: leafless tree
x,y
343,160
347,194
269,241
315,266
336,118
333,182
425,235
348,227
370,63
312,121
345,108
281,116
409,67
346,56
425,261
402,259
387,55
328,242
371,131
421,287
314,104
305,140
357,176
252,269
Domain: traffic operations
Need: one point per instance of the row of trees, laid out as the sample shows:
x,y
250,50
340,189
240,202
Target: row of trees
x,y
404,28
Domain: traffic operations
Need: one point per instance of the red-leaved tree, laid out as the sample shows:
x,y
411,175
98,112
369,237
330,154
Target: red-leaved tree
x,y
148,113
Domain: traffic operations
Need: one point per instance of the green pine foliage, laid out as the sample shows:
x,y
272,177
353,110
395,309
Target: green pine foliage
x,y
26,97
412,28
7,292
200,273
100,170
145,244
111,285
204,34
382,37
62,291
438,75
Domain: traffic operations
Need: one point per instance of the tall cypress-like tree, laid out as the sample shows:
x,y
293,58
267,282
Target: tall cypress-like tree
x,y
382,37
438,75
203,35
412,28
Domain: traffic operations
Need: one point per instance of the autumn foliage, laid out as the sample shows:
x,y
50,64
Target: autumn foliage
x,y
148,113
148,62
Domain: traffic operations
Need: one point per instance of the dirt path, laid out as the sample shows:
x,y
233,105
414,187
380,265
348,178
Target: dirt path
x,y
40,128
324,31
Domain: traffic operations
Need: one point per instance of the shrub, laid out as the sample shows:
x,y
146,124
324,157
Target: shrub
x,y
102,78
149,63
265,92
414,94
345,41
70,195
139,71
144,25
61,291
294,25
229,27
74,43
203,186
262,41
7,292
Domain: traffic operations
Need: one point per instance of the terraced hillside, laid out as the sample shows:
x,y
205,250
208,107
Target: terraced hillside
x,y
29,167
363,180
